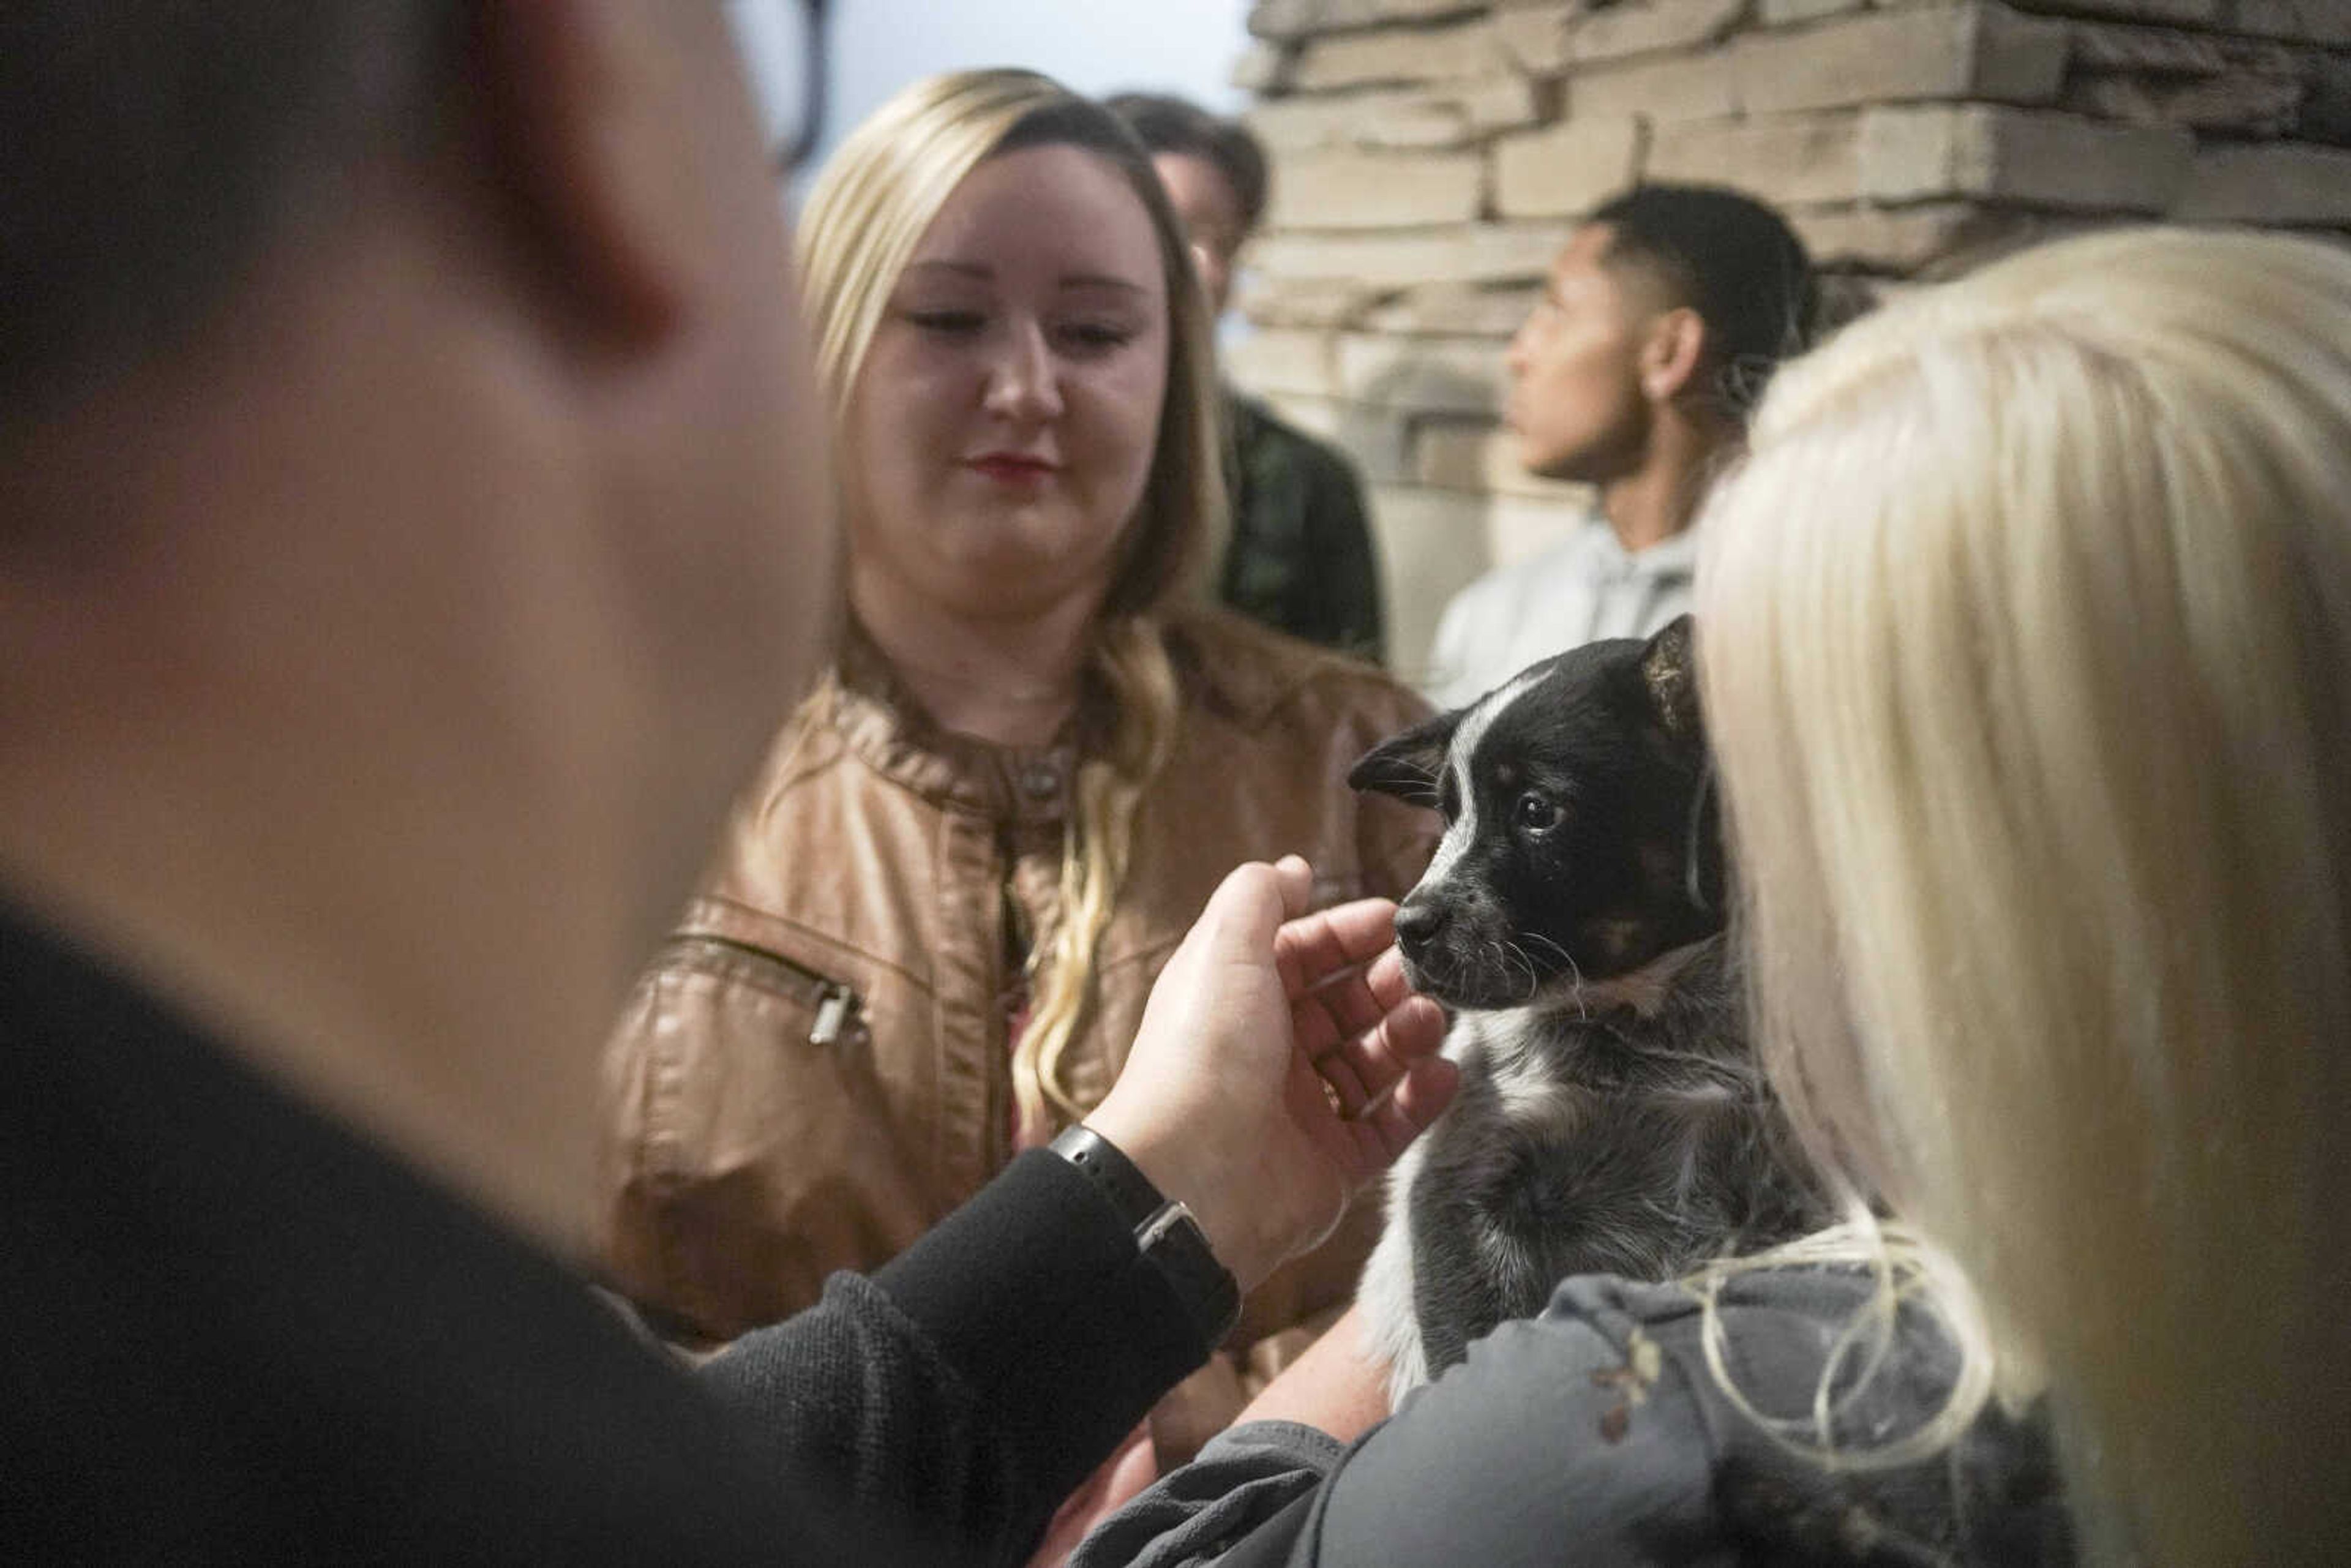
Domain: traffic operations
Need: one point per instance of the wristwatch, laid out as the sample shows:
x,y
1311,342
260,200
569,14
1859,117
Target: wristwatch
x,y
1164,1232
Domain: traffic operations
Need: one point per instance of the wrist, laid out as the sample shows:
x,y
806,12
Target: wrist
x,y
1169,1237
1198,1179
1202,1179
1176,1170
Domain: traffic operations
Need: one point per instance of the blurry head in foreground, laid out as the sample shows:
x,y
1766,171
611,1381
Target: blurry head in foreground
x,y
412,527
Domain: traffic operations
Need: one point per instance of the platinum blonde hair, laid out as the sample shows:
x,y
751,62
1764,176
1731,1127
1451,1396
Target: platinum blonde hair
x,y
2027,652
865,217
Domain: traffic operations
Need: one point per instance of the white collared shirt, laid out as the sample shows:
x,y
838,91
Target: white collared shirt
x,y
1585,588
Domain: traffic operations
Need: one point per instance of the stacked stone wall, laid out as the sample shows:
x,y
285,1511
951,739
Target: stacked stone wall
x,y
1431,156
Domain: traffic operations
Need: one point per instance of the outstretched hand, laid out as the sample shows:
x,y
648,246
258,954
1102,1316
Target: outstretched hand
x,y
1283,1063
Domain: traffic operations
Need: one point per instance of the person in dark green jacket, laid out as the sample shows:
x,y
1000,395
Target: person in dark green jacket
x,y
1301,559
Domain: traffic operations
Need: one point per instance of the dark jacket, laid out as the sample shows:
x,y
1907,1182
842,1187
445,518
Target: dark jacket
x,y
1301,559
1598,1435
232,1331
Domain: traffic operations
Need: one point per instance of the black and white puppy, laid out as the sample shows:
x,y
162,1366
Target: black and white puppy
x,y
1611,1118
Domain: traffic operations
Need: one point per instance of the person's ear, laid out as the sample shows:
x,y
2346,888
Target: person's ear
x,y
588,118
1671,352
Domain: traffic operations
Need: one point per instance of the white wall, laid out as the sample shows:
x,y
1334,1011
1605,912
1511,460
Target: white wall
x,y
1186,46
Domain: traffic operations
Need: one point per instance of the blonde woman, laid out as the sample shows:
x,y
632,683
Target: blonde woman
x,y
2027,655
927,937
2030,657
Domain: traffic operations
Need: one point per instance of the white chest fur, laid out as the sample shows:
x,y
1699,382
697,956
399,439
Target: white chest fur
x,y
1532,1096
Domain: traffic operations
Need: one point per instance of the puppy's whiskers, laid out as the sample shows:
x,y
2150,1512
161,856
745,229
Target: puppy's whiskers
x,y
1575,986
1535,975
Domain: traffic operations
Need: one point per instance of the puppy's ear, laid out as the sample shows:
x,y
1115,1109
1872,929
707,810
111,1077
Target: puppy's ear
x,y
1670,670
1407,766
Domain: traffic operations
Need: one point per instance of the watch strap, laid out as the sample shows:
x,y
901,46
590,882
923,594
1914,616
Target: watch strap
x,y
1166,1232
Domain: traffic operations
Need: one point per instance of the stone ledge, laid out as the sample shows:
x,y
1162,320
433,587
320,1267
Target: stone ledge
x,y
2192,13
2236,106
1568,170
2285,183
1628,30
1481,253
1263,68
1348,190
2302,21
1448,309
1947,51
1286,19
1907,239
1385,116
2026,157
1414,118
1557,37
1782,13
1461,51
1787,160
1315,303
1691,86
1970,49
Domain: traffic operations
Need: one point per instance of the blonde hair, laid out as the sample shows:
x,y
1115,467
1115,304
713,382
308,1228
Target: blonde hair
x,y
865,217
2027,647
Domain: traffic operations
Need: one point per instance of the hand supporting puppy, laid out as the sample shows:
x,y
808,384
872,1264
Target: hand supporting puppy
x,y
1279,1067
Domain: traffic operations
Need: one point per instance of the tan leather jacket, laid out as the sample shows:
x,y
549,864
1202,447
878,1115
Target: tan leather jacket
x,y
816,1069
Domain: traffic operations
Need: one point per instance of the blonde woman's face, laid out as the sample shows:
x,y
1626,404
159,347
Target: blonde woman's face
x,y
1004,424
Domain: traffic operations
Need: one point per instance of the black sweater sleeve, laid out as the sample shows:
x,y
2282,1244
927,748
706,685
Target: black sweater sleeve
x,y
964,1391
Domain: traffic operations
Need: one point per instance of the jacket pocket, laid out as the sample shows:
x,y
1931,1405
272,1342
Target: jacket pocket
x,y
836,1012
755,1146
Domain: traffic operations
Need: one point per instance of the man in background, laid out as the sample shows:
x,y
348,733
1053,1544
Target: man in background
x,y
1658,324
1300,559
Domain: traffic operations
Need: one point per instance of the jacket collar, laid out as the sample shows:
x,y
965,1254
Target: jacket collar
x,y
878,719
1222,663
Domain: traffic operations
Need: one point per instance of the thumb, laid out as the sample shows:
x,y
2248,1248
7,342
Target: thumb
x,y
1297,880
1250,904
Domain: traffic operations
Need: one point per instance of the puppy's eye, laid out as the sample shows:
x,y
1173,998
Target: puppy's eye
x,y
1536,814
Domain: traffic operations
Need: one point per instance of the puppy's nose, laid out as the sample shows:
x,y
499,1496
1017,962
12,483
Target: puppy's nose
x,y
1418,921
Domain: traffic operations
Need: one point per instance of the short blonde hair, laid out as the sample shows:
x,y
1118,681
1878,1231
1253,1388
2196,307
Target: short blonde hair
x,y
2027,651
867,214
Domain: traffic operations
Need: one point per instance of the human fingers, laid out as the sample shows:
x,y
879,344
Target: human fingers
x,y
1367,1141
1297,880
1362,1066
1310,949
1420,1097
1350,1001
1244,914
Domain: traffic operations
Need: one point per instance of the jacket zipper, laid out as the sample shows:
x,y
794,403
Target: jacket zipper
x,y
836,1004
